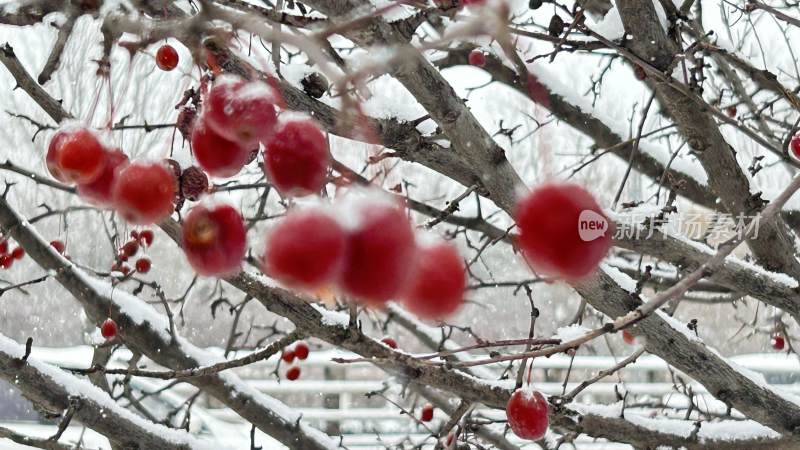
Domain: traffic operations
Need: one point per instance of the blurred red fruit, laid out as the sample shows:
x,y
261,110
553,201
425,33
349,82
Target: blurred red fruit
x,y
6,261
477,58
306,249
549,219
167,58
108,329
146,237
380,251
18,253
296,159
390,342
288,356
629,338
143,265
75,155
214,239
293,373
99,191
794,145
58,246
144,192
427,413
301,350
130,248
527,414
731,111
639,73
241,111
437,282
216,155
3,245
778,342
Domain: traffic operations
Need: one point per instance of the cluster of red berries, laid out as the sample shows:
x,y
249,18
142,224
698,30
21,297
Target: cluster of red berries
x,y
373,258
7,257
108,329
526,412
297,351
563,231
141,192
240,115
139,239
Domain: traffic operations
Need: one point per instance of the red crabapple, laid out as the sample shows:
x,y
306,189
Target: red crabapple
x,y
389,342
58,246
75,155
241,111
778,341
549,219
381,251
306,249
296,159
216,155
167,58
18,253
794,144
130,248
527,414
639,73
301,350
108,329
293,373
144,192
427,413
437,282
288,356
6,261
146,237
99,191
143,265
477,58
629,338
214,239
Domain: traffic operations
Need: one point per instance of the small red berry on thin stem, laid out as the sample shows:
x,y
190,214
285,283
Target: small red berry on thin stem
x,y
109,329
301,350
293,373
130,248
143,265
6,261
778,341
287,356
18,253
477,58
794,145
58,246
389,342
146,237
629,338
427,413
167,58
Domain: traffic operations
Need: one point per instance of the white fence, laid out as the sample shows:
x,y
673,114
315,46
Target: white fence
x,y
332,396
